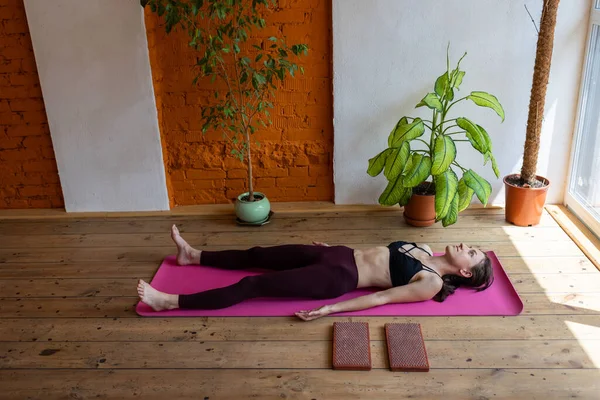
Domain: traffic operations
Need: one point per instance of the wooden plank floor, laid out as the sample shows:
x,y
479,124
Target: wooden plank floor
x,y
69,329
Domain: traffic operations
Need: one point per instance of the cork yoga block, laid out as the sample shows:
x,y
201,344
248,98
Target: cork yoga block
x,y
351,346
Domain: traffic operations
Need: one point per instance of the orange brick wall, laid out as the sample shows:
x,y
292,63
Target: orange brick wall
x,y
295,159
28,174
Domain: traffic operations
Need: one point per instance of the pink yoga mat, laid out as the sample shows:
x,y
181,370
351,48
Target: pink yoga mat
x,y
499,299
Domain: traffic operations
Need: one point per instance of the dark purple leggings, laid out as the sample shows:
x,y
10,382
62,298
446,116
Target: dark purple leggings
x,y
303,271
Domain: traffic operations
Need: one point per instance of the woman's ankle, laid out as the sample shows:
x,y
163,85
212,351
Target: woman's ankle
x,y
172,301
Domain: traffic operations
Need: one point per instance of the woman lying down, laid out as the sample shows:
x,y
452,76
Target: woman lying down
x,y
406,272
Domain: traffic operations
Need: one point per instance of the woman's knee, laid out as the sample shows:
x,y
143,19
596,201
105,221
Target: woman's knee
x,y
248,285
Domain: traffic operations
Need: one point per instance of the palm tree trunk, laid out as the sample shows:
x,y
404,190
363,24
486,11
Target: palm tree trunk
x,y
543,60
249,155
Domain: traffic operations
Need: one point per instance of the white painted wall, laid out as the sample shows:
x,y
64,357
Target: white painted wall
x,y
92,59
388,53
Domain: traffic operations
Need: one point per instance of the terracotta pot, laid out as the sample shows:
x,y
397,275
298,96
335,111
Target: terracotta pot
x,y
524,206
420,210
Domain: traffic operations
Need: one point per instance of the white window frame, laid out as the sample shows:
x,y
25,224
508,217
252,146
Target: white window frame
x,y
571,200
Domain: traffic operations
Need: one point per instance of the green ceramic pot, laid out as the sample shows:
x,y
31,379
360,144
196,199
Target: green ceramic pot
x,y
252,211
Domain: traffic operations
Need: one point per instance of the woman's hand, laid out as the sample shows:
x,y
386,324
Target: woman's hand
x,y
313,314
321,244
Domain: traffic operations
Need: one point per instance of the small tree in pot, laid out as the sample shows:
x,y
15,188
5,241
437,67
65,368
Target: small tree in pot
x,y
526,193
219,30
407,168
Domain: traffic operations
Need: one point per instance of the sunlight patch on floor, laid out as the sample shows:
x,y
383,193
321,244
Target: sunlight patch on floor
x,y
569,286
591,348
578,302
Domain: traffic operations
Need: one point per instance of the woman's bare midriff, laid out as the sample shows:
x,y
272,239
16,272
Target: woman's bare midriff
x,y
373,267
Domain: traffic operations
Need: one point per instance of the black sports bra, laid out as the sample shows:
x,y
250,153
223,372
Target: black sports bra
x,y
403,266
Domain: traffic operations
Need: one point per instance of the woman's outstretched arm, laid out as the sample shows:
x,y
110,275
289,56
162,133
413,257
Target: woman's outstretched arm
x,y
421,290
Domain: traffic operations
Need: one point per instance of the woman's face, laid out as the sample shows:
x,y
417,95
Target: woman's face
x,y
464,257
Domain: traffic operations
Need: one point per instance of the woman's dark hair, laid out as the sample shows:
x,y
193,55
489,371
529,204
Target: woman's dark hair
x,y
481,279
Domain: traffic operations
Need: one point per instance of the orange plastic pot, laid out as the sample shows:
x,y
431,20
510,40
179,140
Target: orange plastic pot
x,y
524,206
420,210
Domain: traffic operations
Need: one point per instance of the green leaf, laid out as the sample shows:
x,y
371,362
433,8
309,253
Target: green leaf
x,y
161,10
280,73
420,169
405,197
482,188
432,101
377,163
486,158
442,86
408,165
452,214
446,187
486,138
402,121
474,135
260,79
197,5
444,153
465,194
456,78
396,161
300,48
495,166
406,132
484,99
205,127
393,193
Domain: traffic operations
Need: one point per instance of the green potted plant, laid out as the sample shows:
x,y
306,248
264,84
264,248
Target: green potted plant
x,y
526,192
219,30
408,161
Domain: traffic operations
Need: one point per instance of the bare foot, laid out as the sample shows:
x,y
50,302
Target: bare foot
x,y
186,254
157,300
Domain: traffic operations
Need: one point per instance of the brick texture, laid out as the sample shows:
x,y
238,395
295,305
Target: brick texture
x,y
28,173
295,159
